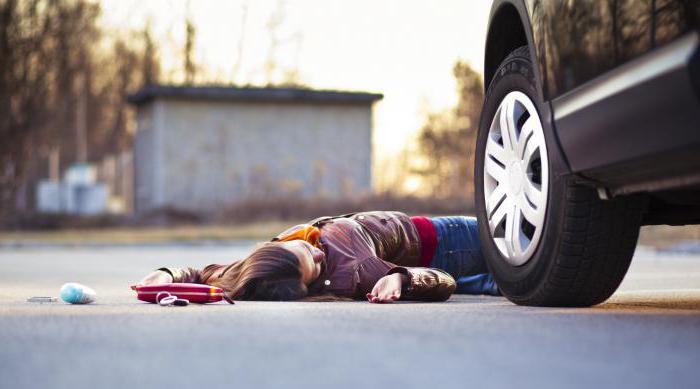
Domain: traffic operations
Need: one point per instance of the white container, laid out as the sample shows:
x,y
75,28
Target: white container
x,y
48,196
75,293
81,174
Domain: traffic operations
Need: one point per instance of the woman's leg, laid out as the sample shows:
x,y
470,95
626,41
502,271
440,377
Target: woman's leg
x,y
459,253
477,284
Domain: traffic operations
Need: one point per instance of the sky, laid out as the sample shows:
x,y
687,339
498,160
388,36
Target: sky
x,y
404,49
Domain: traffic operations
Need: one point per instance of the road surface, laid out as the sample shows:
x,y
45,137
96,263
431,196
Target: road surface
x,y
646,336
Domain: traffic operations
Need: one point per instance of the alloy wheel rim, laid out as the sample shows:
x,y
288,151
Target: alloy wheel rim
x,y
516,178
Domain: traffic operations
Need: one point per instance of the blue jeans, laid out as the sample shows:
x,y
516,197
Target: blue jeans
x,y
459,254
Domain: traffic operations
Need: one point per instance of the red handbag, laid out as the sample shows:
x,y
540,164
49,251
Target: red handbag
x,y
195,293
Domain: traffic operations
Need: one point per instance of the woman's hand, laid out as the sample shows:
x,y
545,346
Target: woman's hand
x,y
387,289
157,277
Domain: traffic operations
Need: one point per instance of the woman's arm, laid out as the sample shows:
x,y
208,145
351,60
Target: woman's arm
x,y
183,275
154,278
413,283
388,288
167,275
426,284
381,281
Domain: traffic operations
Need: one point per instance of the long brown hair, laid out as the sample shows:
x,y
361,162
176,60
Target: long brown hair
x,y
270,273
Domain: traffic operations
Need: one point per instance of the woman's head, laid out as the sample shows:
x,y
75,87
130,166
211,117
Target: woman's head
x,y
274,271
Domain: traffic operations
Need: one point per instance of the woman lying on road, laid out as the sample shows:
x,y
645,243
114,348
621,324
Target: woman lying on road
x,y
381,256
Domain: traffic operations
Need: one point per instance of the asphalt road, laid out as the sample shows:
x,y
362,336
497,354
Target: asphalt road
x,y
646,336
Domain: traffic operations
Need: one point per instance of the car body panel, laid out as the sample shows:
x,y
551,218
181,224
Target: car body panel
x,y
584,39
625,137
645,109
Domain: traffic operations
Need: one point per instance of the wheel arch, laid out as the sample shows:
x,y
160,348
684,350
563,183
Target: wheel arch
x,y
509,28
511,24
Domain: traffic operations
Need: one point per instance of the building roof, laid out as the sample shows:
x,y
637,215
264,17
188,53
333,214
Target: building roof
x,y
249,94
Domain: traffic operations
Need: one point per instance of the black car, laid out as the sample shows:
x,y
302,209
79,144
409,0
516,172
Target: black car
x,y
590,129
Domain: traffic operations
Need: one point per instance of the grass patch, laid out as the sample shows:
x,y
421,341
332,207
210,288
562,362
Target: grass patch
x,y
664,236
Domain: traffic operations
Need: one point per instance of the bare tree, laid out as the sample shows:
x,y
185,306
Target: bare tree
x,y
43,45
151,68
190,36
241,43
61,93
275,75
273,25
447,139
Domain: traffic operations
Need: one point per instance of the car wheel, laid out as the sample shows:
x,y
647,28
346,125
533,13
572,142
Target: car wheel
x,y
548,240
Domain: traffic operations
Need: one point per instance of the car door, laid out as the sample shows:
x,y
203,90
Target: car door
x,y
619,77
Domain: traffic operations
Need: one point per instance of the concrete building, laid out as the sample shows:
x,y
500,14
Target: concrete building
x,y
200,148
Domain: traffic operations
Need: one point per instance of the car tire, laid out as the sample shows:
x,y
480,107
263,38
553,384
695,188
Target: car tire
x,y
565,246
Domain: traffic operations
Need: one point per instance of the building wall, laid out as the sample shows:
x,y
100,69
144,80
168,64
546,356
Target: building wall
x,y
144,160
208,154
